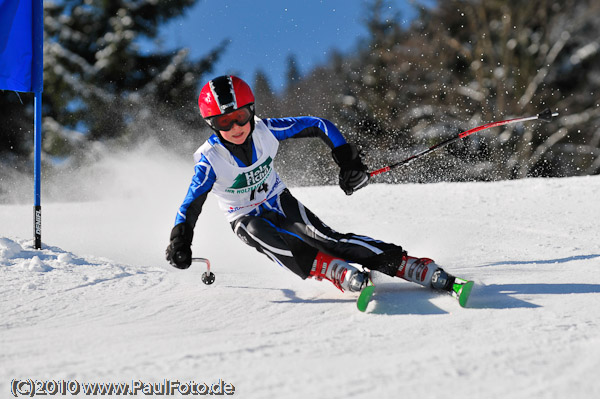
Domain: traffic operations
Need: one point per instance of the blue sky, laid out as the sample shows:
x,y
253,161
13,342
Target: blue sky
x,y
263,33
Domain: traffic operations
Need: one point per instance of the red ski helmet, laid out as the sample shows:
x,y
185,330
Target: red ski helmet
x,y
223,95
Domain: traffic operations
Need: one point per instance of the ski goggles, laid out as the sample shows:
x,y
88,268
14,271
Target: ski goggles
x,y
240,117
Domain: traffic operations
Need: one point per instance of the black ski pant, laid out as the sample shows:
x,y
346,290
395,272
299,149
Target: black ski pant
x,y
291,235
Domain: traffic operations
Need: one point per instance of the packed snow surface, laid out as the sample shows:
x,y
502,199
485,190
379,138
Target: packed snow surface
x,y
100,304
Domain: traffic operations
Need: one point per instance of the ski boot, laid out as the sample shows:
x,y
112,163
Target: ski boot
x,y
425,272
344,276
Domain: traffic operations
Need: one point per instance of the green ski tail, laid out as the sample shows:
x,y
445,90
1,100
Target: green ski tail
x,y
461,290
365,297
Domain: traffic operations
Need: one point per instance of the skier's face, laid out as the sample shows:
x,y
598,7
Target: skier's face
x,y
237,134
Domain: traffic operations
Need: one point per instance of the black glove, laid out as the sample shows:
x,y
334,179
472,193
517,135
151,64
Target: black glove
x,y
179,251
353,173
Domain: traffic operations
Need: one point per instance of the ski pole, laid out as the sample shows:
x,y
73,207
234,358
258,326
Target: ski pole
x,y
545,116
208,277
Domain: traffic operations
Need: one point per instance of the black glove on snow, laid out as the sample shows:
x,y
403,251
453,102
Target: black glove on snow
x,y
353,173
179,251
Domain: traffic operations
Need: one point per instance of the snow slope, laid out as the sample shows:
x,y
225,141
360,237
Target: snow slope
x,y
100,304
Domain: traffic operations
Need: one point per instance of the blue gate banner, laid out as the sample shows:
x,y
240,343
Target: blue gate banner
x,y
21,45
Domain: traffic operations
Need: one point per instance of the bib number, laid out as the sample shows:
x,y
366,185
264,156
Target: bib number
x,y
262,187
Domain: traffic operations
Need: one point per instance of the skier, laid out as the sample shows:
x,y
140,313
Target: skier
x,y
236,163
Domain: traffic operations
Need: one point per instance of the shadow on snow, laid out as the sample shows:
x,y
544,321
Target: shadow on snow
x,y
403,298
398,299
543,262
502,296
291,296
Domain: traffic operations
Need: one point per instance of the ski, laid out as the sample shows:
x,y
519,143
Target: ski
x,y
461,290
365,297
